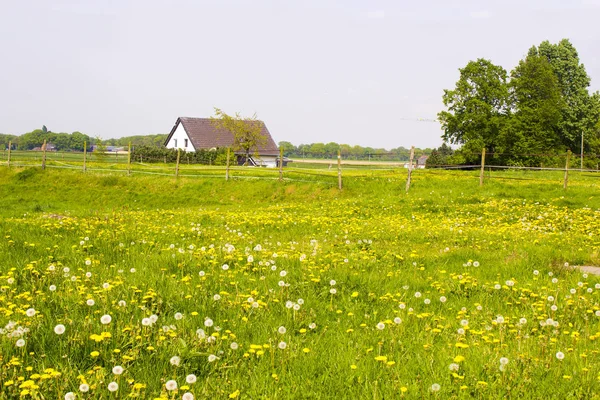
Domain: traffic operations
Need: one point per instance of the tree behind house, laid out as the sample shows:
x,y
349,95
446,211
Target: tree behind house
x,y
247,132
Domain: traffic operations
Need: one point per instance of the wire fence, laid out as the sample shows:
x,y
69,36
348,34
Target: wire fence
x,y
326,171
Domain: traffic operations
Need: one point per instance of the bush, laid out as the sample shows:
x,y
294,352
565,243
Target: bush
x,y
149,154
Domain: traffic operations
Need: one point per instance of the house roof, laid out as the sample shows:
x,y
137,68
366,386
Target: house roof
x,y
204,135
422,160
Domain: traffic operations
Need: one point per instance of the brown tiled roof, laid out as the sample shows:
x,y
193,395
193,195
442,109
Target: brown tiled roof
x,y
204,135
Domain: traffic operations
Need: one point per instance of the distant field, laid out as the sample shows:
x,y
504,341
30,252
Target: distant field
x,y
151,287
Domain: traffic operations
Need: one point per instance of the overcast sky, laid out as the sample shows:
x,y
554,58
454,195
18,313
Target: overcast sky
x,y
356,72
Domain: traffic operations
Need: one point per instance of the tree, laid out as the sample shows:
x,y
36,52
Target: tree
x,y
439,156
578,114
247,132
477,107
288,148
536,101
100,149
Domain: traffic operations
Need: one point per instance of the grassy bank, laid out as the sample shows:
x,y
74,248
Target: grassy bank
x,y
450,291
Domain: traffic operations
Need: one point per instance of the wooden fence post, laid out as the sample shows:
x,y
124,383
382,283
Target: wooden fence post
x,y
482,167
410,165
280,163
9,146
84,155
177,165
567,169
44,155
129,160
339,170
227,167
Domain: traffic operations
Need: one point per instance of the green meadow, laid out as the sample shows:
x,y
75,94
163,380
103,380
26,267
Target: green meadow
x,y
147,286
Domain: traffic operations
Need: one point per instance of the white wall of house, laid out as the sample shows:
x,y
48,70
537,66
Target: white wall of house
x,y
267,161
178,140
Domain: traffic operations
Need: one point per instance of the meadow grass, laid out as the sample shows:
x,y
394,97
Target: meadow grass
x,y
450,291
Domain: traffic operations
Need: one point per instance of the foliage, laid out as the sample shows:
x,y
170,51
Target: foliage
x,y
542,111
157,140
370,284
329,150
440,156
149,154
477,108
247,132
536,101
100,149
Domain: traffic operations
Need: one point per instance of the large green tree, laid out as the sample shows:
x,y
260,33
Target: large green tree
x,y
579,114
476,108
534,126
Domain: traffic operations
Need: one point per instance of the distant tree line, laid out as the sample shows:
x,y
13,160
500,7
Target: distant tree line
x,y
530,117
74,141
330,150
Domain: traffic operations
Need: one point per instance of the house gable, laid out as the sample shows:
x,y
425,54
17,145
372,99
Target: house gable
x,y
178,138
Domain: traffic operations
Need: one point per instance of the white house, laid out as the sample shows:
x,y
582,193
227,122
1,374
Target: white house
x,y
191,134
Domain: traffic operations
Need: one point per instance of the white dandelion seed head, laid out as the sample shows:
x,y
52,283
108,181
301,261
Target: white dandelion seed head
x,y
212,358
560,355
117,370
171,385
59,329
234,346
282,345
208,322
84,388
175,360
281,330
454,367
113,387
503,360
30,312
381,326
191,378
106,319
187,396
20,343
435,387
90,302
70,396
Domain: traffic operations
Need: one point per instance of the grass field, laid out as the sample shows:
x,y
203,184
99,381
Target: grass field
x,y
150,287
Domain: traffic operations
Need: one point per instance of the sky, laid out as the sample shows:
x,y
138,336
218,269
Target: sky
x,y
367,73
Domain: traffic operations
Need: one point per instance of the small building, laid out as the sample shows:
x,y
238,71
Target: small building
x,y
422,161
49,147
192,134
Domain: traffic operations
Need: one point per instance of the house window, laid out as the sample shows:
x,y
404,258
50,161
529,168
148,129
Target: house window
x,y
185,141
175,142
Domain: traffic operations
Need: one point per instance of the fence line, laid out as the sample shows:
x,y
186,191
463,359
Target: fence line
x,y
325,175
